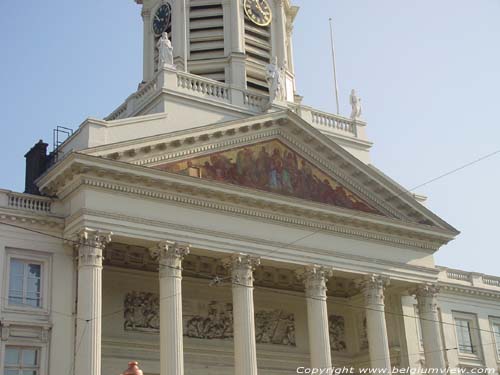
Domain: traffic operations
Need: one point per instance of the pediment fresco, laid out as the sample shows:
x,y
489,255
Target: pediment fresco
x,y
273,167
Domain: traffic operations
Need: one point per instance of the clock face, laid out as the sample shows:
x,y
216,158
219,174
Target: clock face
x,y
258,11
162,19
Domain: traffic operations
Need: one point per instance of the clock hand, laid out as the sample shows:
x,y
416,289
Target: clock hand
x,y
157,18
259,6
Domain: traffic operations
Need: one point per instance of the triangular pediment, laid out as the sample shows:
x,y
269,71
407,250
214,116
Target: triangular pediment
x,y
280,154
270,166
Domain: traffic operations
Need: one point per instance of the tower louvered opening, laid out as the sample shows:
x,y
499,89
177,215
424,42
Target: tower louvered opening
x,y
258,51
206,40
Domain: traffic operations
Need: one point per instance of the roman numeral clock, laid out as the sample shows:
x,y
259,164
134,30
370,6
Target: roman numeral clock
x,y
258,11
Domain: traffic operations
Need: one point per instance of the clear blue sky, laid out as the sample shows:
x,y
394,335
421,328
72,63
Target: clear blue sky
x,y
428,73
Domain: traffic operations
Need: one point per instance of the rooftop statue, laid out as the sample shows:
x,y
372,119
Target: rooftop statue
x,y
275,80
356,105
165,51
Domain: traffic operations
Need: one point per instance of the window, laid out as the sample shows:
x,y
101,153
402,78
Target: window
x,y
496,333
465,336
22,361
25,283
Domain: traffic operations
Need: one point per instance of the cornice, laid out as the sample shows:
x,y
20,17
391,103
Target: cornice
x,y
23,218
298,216
353,174
146,182
468,290
222,240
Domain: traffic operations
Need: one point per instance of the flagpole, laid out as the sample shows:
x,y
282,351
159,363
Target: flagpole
x,y
334,68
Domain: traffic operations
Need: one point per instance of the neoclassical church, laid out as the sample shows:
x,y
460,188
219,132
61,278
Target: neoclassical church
x,y
212,224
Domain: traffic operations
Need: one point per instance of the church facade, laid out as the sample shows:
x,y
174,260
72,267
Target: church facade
x,y
213,224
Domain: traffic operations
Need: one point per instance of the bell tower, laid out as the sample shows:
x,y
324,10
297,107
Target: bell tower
x,y
229,41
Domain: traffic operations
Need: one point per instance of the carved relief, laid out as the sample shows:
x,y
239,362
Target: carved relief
x,y
275,327
141,312
216,322
336,324
212,320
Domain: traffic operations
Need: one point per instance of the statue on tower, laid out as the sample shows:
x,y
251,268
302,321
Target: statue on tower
x,y
275,80
165,52
355,105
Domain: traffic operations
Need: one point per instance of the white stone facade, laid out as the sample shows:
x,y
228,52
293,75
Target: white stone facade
x,y
136,250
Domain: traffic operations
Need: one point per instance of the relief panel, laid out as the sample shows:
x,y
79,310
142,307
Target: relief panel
x,y
208,320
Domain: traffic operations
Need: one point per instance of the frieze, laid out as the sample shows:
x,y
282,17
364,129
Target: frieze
x,y
208,320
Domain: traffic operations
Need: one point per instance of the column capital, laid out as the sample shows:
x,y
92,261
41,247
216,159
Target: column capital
x,y
373,288
426,295
426,290
315,278
169,254
89,244
241,267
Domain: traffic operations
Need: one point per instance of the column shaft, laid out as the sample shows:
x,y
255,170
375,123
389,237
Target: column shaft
x,y
170,255
315,279
431,329
245,350
90,244
373,288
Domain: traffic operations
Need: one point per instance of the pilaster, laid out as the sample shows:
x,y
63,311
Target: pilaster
x,y
431,330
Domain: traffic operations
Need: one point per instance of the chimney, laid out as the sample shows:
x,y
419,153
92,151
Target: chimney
x,y
36,164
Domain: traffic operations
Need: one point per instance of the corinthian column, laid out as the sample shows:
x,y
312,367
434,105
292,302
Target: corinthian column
x,y
429,321
245,351
315,279
170,255
373,289
89,246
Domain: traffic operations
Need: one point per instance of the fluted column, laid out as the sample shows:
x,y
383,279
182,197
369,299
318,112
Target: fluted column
x,y
245,351
373,290
315,279
89,246
169,255
429,321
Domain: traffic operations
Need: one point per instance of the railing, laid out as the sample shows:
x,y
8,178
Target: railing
x,y
255,100
332,121
203,86
29,202
492,281
472,279
457,275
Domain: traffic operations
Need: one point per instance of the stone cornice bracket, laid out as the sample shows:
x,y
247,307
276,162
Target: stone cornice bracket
x,y
89,245
373,288
426,295
315,278
241,267
169,255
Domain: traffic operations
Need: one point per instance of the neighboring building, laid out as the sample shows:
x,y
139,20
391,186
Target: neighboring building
x,y
199,176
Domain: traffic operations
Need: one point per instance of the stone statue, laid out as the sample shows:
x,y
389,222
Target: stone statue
x,y
356,105
165,51
275,80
